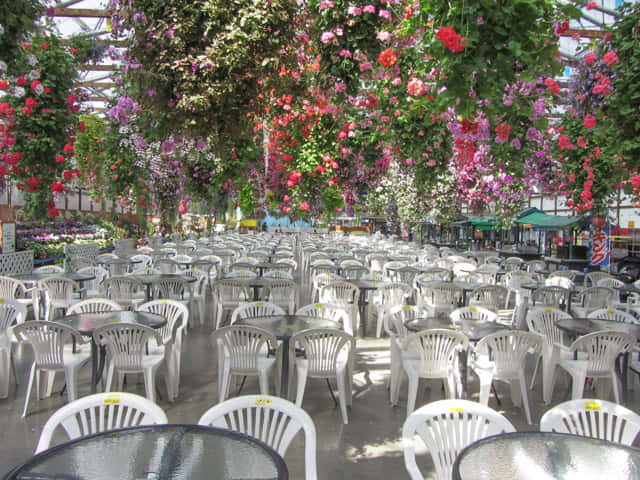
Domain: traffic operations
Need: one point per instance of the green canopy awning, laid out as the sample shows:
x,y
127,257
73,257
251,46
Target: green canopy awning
x,y
545,221
479,223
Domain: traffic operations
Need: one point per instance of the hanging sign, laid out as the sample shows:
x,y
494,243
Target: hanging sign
x,y
600,247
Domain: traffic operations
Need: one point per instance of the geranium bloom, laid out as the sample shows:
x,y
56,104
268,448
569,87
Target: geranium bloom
x,y
416,87
354,10
502,132
304,206
386,14
553,86
450,38
366,66
589,58
383,35
326,37
57,187
387,57
59,158
563,27
564,142
610,58
369,9
589,121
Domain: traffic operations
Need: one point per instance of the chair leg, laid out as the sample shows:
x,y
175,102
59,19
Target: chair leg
x,y
71,377
32,377
150,383
341,381
302,383
5,373
413,393
524,396
486,380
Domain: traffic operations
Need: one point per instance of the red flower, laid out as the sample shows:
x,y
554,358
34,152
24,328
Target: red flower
x,y
68,149
502,132
71,99
564,142
53,211
82,127
387,57
563,27
553,86
27,110
450,38
591,5
57,187
4,85
304,206
589,121
45,46
21,81
59,158
68,174
33,183
610,58
31,103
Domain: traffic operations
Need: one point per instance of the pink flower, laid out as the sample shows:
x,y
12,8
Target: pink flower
x,y
327,37
326,4
304,206
386,14
354,11
396,81
345,53
589,58
416,87
383,35
369,9
610,58
589,121
365,66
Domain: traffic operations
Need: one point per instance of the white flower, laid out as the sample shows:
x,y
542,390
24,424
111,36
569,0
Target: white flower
x,y
33,74
32,60
1,29
3,66
18,92
39,90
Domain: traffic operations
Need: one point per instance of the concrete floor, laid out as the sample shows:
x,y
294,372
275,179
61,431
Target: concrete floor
x,y
368,447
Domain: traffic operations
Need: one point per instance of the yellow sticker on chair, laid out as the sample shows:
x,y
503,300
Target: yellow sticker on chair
x,y
113,320
472,309
1,300
407,307
548,310
610,310
263,402
111,400
259,304
164,302
457,409
592,405
521,277
290,326
319,305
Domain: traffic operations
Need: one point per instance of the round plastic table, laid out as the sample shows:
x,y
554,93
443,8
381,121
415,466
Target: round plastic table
x,y
158,452
546,456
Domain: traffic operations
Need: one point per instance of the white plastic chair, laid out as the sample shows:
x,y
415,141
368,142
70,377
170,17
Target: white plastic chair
x,y
502,356
126,346
243,350
328,353
100,412
125,290
441,298
12,313
58,294
559,281
320,280
94,305
596,354
446,427
273,420
283,293
49,269
542,321
386,297
228,294
594,419
177,316
13,289
613,315
344,294
277,275
591,279
431,354
591,299
255,309
551,296
52,349
93,288
335,313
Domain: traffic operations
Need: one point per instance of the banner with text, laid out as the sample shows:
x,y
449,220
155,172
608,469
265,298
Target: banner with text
x,y
600,247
